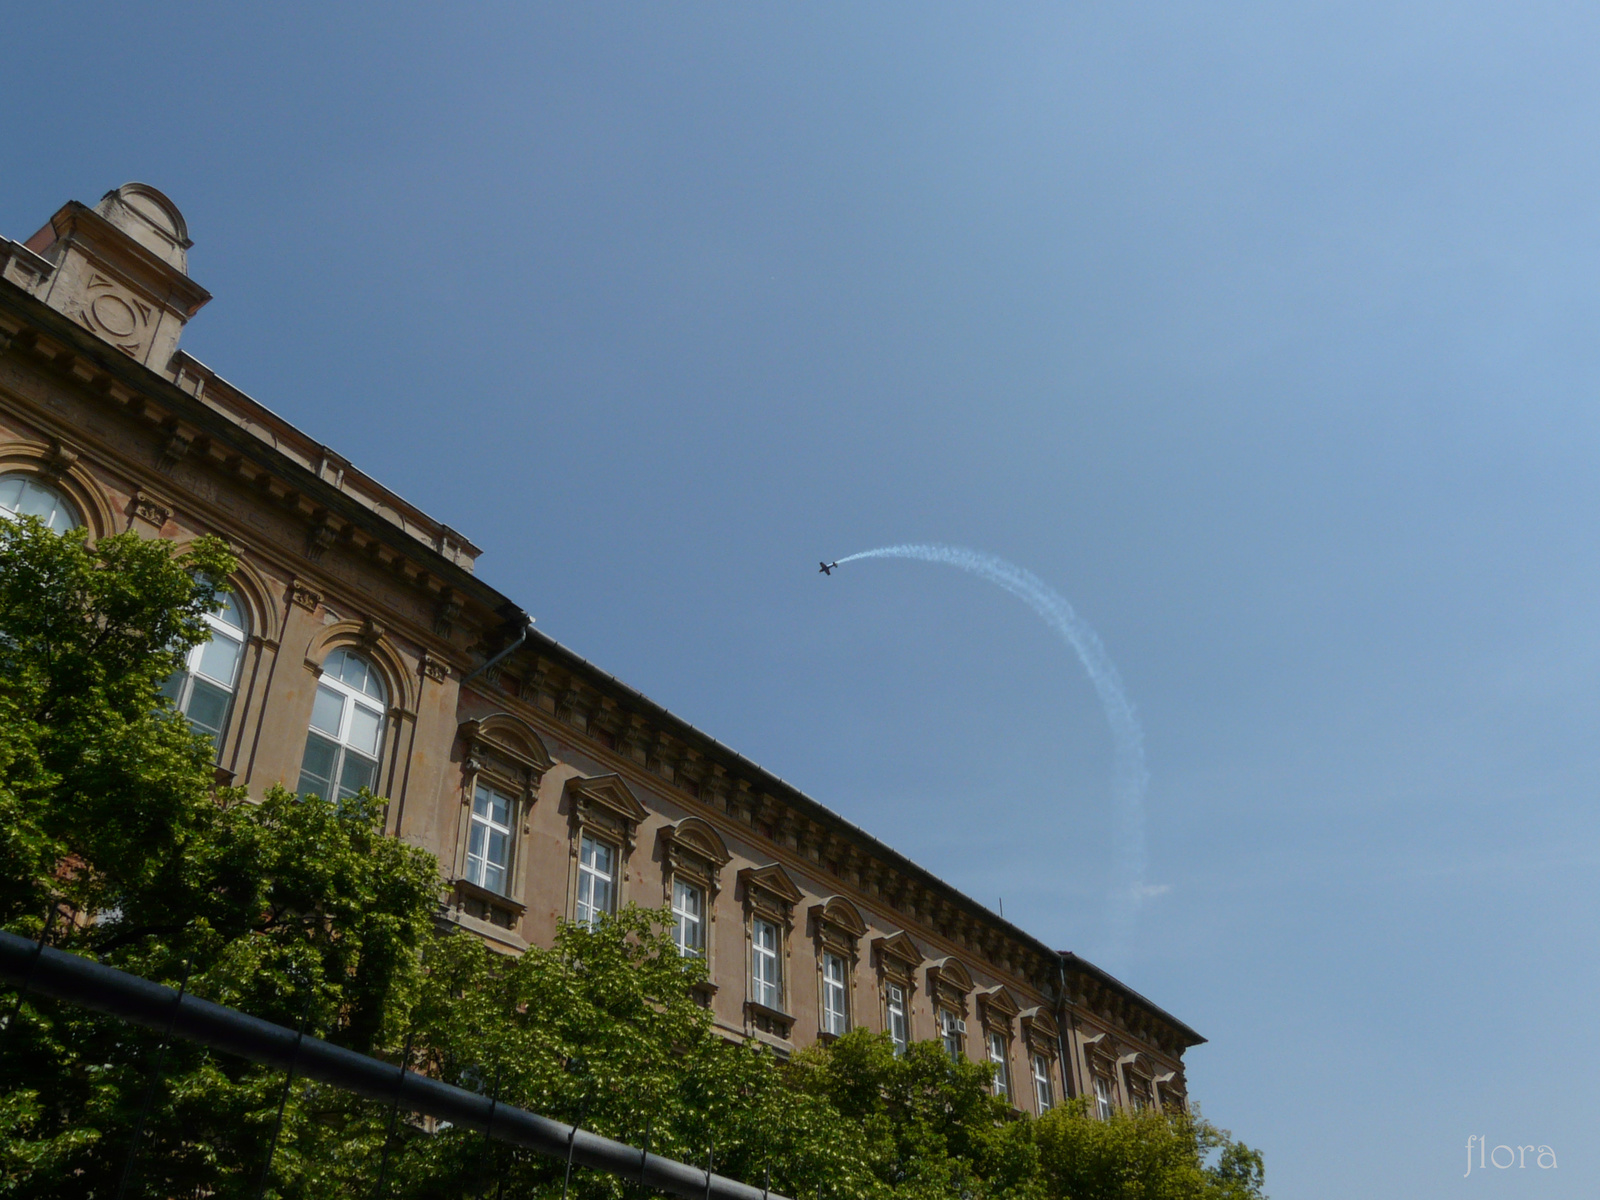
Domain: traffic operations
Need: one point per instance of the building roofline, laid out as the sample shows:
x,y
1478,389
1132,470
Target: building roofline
x,y
213,422
1077,963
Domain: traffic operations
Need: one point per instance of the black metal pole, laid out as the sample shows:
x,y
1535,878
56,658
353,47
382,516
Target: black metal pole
x,y
25,984
104,989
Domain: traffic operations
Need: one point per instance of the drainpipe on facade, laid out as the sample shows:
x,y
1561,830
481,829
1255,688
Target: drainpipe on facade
x,y
527,624
1069,1067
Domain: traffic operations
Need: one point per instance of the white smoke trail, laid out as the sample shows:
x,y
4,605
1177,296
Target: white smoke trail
x,y
1126,734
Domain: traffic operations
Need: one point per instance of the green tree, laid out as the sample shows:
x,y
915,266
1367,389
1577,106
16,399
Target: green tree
x,y
1142,1156
606,1028
931,1127
99,787
293,909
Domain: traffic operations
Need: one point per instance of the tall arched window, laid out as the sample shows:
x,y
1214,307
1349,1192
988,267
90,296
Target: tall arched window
x,y
203,690
26,496
346,736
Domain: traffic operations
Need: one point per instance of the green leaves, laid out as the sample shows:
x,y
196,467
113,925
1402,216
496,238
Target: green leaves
x,y
296,908
1143,1156
99,783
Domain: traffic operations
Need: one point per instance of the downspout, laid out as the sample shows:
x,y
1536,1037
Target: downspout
x,y
527,624
1069,1066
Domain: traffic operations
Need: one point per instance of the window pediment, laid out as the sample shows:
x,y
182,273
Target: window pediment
x,y
510,739
608,796
898,956
1040,1028
949,975
771,889
836,919
694,845
997,1005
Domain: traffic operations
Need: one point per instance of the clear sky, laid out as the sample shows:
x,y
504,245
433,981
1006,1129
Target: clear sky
x,y
1264,333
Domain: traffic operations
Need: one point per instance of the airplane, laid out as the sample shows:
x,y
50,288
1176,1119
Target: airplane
x,y
827,568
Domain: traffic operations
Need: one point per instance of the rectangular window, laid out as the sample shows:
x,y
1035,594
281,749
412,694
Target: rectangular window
x,y
1043,1093
997,1060
1102,1097
597,880
896,1006
835,995
688,914
489,843
951,1029
766,981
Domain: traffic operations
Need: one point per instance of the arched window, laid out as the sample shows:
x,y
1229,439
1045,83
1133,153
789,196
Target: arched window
x,y
346,736
203,689
26,496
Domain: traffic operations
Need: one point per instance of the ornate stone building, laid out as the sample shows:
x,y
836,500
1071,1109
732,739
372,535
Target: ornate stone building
x,y
360,649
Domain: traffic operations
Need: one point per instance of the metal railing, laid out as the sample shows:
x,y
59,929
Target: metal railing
x,y
36,969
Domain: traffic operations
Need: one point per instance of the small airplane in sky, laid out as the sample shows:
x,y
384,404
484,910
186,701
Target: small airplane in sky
x,y
827,567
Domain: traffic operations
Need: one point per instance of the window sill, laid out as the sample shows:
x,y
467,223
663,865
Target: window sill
x,y
769,1021
474,891
500,937
488,913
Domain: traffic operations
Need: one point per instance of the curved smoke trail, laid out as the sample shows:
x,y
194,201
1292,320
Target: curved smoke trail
x,y
1127,736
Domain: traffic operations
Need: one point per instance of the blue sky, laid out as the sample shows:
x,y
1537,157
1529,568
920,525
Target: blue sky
x,y
1264,333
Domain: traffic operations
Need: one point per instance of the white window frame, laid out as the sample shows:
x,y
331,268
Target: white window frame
x,y
899,1028
835,994
1000,1060
591,876
480,864
1102,1097
1044,1092
689,924
187,679
351,699
766,964
952,1032
1138,1098
62,506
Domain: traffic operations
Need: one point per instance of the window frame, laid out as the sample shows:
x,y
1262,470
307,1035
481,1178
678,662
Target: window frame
x,y
589,838
186,676
351,698
835,994
952,1033
765,992
491,827
1104,1104
997,1048
681,919
895,1005
64,503
1043,1086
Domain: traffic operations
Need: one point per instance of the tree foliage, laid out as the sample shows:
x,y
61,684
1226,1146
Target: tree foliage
x,y
305,913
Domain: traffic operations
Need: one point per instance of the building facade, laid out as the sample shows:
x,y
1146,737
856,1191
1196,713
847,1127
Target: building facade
x,y
359,649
